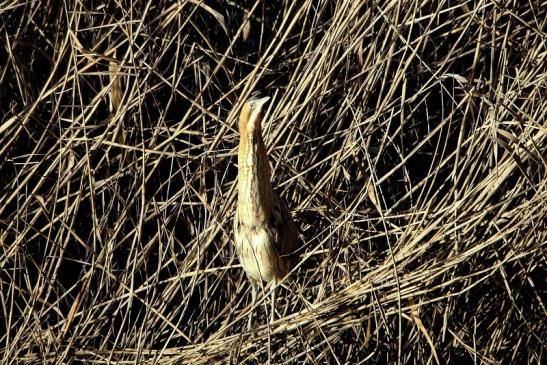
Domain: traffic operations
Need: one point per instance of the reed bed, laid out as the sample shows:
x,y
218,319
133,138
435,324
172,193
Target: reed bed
x,y
408,138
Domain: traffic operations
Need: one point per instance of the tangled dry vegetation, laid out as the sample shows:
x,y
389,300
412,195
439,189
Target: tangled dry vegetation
x,y
408,138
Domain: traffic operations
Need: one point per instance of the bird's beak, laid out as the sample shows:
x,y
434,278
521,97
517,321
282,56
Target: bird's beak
x,y
260,102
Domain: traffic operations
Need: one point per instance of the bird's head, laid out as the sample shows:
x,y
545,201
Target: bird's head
x,y
249,119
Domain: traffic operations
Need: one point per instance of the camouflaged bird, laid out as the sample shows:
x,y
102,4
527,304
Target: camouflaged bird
x,y
264,231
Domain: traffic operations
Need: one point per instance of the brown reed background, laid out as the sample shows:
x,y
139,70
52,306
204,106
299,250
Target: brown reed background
x,y
408,138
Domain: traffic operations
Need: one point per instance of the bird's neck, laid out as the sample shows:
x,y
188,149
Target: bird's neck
x,y
255,193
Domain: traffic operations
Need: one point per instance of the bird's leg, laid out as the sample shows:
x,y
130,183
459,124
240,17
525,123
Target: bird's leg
x,y
253,302
272,293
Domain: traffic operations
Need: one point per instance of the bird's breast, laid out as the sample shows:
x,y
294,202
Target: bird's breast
x,y
258,254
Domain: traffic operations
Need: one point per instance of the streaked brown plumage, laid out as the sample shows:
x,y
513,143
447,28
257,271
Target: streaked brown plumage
x,y
265,234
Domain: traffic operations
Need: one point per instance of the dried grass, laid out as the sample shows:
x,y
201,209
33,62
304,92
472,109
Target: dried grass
x,y
408,137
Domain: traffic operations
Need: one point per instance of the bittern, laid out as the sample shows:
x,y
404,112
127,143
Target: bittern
x,y
264,231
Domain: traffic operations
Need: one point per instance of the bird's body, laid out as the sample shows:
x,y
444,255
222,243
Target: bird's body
x,y
262,247
265,234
